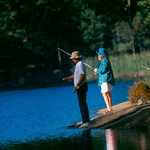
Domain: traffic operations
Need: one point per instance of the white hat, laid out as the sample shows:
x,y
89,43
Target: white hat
x,y
75,55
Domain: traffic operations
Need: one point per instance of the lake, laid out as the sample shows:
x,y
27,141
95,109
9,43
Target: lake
x,y
37,119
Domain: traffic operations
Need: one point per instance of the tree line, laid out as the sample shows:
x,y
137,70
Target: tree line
x,y
32,30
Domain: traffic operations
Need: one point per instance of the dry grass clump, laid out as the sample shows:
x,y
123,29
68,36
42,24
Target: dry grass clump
x,y
139,93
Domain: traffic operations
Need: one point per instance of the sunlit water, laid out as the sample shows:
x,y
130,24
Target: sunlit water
x,y
39,119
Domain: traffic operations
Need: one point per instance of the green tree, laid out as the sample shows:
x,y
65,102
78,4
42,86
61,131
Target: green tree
x,y
92,27
143,14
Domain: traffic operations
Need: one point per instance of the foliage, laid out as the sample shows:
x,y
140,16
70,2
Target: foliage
x,y
144,8
128,65
139,93
43,25
32,30
92,26
122,37
144,14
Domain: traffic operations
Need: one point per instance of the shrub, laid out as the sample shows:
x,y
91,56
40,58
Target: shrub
x,y
139,93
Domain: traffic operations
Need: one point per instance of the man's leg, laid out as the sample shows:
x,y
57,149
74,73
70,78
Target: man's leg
x,y
83,106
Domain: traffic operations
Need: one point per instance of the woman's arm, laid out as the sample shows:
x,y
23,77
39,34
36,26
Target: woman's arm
x,y
104,66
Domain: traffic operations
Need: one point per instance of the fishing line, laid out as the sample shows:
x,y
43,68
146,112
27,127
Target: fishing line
x,y
59,58
59,49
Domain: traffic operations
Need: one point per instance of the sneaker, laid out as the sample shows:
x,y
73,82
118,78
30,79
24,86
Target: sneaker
x,y
84,125
78,124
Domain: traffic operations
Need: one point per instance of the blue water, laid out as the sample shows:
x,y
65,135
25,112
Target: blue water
x,y
43,113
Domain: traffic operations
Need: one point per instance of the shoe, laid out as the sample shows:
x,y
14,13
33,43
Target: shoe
x,y
84,125
78,124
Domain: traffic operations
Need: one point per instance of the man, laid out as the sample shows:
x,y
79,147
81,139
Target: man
x,y
80,85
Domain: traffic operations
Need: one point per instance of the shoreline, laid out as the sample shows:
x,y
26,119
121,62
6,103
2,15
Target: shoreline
x,y
52,85
125,67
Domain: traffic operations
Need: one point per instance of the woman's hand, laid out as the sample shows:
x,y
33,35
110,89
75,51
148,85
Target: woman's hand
x,y
95,71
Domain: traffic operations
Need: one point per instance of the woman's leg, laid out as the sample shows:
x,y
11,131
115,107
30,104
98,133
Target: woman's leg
x,y
107,101
109,98
106,92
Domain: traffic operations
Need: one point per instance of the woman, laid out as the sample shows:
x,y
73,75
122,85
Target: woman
x,y
105,77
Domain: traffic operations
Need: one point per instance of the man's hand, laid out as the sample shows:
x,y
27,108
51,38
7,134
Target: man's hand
x,y
77,87
64,79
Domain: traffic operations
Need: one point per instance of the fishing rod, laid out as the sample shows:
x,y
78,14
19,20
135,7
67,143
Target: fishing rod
x,y
89,66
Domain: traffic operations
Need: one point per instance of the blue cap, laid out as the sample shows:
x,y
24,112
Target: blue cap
x,y
101,51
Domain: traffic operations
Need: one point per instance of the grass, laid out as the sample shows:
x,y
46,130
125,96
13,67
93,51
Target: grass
x,y
126,66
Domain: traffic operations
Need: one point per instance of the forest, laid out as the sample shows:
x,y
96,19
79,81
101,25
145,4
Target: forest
x,y
31,31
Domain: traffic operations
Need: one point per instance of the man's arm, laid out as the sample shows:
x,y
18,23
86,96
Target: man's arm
x,y
68,78
81,81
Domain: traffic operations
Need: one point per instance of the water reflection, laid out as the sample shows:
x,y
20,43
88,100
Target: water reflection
x,y
135,139
82,141
143,142
111,139
140,138
86,140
